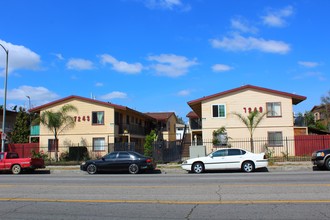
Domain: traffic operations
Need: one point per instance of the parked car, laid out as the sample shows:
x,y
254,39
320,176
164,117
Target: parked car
x,y
130,161
227,159
321,159
10,161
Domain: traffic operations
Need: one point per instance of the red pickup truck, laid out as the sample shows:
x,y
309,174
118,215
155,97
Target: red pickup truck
x,y
11,161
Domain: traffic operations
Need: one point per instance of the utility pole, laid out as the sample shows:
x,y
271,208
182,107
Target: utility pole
x,y
3,135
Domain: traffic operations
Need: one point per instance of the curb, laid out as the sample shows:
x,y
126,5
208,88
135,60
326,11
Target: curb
x,y
176,168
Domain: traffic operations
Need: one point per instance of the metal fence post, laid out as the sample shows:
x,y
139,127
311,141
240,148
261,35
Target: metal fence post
x,y
287,149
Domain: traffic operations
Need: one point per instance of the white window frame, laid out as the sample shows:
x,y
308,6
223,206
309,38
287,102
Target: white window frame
x,y
99,144
225,111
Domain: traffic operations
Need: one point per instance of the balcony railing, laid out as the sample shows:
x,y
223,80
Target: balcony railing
x,y
133,129
195,124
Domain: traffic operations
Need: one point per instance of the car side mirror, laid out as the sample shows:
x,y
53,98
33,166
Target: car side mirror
x,y
103,158
211,155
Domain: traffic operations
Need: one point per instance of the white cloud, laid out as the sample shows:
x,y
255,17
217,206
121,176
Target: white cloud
x,y
243,26
121,66
221,68
19,57
308,64
276,18
98,84
114,95
79,64
167,4
184,92
38,95
316,75
240,43
171,65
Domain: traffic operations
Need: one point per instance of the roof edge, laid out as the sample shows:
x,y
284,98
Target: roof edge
x,y
39,108
297,98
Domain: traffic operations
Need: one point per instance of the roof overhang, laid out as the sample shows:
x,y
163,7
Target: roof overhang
x,y
196,105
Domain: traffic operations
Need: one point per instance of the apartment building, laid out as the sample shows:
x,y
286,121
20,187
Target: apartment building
x,y
212,112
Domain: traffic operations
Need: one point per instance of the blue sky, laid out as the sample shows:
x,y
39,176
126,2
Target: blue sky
x,y
156,55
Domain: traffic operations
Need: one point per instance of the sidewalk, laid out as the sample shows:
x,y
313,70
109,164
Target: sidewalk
x,y
176,168
277,167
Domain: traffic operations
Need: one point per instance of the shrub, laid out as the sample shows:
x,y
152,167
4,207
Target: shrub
x,y
39,154
64,156
148,148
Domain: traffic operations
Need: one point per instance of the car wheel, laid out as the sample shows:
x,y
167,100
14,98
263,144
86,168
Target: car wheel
x,y
327,164
16,169
248,167
198,167
91,169
133,168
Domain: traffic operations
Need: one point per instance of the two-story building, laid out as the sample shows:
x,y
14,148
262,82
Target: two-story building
x,y
322,115
99,126
215,111
165,124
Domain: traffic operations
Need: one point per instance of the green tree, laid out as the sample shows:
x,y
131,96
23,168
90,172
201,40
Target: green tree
x,y
325,101
57,122
21,131
309,121
150,138
251,122
180,120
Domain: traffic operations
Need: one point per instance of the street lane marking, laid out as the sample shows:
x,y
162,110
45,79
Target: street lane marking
x,y
176,186
168,202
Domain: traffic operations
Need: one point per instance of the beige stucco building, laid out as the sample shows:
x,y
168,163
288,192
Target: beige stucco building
x,y
166,122
215,111
99,126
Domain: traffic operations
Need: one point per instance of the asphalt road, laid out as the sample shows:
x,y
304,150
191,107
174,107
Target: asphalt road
x,y
218,195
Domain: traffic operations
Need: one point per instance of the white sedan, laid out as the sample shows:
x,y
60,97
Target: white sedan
x,y
227,158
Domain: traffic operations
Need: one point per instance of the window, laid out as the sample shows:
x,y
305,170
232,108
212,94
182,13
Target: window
x,y
51,145
219,111
274,109
275,138
124,155
220,153
111,156
234,152
98,144
98,118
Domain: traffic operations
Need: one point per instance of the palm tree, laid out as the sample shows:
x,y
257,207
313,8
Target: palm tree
x,y
251,122
57,122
